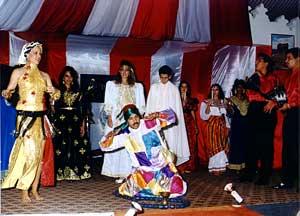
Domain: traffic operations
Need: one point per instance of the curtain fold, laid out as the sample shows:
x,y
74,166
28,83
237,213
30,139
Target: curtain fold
x,y
155,19
62,16
229,22
4,47
193,23
89,55
18,15
230,63
111,18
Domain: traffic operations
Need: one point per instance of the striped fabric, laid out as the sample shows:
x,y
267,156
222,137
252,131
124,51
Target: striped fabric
x,y
186,20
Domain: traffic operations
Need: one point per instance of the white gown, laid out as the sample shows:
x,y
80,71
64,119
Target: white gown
x,y
164,96
118,163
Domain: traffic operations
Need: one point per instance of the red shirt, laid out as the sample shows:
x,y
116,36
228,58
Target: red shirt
x,y
267,83
292,88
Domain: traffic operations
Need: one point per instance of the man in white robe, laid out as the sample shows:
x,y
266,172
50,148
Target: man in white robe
x,y
165,95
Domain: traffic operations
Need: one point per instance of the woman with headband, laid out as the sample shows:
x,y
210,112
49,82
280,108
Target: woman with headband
x,y
119,92
26,159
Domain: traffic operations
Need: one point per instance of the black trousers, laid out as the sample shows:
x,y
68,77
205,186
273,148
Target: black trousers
x,y
260,145
290,148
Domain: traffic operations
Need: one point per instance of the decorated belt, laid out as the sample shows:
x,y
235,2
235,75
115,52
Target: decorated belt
x,y
68,108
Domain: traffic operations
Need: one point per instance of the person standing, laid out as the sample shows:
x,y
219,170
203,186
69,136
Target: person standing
x,y
124,90
213,110
239,127
71,143
26,159
190,106
165,95
262,122
290,129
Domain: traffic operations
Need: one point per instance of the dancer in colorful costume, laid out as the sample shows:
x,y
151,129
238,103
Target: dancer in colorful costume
x,y
153,170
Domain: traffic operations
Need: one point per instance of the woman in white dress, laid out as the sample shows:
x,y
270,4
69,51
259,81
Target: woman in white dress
x,y
213,110
124,90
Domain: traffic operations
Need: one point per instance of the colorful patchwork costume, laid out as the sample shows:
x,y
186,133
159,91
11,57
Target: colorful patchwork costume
x,y
152,162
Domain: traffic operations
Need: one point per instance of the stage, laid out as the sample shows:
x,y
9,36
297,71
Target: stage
x,y
205,193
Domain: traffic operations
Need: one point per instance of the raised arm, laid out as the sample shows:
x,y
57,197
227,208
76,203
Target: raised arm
x,y
165,117
112,141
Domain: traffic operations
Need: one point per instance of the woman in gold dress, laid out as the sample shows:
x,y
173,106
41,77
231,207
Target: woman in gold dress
x,y
26,159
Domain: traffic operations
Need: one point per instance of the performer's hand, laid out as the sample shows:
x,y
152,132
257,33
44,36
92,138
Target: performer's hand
x,y
109,121
6,93
285,107
109,135
270,106
112,133
152,116
210,102
50,90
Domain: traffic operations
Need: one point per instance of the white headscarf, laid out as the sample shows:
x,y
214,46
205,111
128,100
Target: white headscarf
x,y
26,50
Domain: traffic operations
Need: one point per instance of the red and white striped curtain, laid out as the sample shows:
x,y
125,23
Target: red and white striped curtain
x,y
187,20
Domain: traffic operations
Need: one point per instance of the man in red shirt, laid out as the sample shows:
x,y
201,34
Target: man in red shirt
x,y
290,129
262,122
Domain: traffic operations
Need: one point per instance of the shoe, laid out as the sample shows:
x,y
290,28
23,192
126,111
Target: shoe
x,y
119,180
282,185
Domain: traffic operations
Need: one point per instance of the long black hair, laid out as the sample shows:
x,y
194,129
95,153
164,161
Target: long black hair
x,y
236,84
74,74
189,89
221,93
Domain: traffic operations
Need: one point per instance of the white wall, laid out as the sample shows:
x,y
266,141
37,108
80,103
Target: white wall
x,y
262,27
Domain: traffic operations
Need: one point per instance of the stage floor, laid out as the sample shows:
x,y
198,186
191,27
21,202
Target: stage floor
x,y
95,196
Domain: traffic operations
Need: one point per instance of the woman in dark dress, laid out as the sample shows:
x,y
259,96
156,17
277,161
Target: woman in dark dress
x,y
239,126
72,146
190,106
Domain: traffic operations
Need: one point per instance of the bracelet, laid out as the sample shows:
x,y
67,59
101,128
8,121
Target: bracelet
x,y
56,95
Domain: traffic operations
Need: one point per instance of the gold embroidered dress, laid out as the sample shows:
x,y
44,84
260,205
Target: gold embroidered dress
x,y
72,151
27,152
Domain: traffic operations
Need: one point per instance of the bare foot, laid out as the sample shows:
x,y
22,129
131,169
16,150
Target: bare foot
x,y
36,196
25,197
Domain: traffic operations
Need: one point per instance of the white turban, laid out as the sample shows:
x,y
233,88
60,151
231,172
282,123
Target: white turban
x,y
26,49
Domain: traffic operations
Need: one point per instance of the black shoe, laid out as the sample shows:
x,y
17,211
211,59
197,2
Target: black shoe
x,y
282,185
